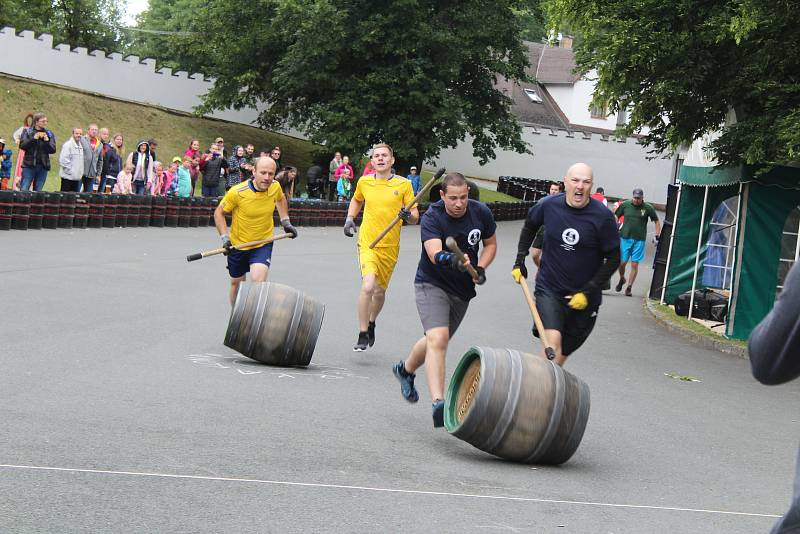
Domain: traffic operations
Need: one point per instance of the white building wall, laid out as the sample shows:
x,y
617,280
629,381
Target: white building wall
x,y
128,78
619,167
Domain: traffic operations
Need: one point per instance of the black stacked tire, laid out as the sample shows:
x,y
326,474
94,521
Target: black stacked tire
x,y
21,212
66,211
184,212
171,212
109,207
36,213
517,406
81,219
52,210
274,324
6,209
96,205
158,212
195,207
134,203
121,215
145,207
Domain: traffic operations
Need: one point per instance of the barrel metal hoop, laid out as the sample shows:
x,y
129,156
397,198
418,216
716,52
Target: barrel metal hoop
x,y
234,321
297,313
261,305
503,423
582,416
313,332
555,417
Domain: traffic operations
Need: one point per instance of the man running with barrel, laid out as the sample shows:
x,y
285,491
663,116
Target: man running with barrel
x,y
252,204
385,196
445,282
580,253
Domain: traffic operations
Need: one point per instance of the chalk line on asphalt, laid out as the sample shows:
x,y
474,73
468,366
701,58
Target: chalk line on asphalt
x,y
379,490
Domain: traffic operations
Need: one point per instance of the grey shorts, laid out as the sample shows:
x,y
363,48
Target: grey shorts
x,y
438,308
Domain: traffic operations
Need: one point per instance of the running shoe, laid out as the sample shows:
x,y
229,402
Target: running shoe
x,y
371,332
620,284
628,292
406,380
438,414
363,341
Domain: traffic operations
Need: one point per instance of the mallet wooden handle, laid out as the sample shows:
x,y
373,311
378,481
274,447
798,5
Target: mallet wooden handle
x,y
214,252
548,349
453,246
408,206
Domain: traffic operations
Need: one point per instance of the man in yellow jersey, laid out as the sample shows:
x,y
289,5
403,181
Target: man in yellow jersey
x,y
385,195
252,204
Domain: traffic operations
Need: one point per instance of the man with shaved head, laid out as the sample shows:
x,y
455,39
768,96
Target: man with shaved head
x,y
579,255
252,204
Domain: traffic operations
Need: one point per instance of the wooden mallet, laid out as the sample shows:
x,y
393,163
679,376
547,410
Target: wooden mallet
x,y
453,246
548,349
408,206
214,252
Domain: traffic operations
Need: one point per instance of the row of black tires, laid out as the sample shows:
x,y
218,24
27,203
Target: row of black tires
x,y
528,189
20,210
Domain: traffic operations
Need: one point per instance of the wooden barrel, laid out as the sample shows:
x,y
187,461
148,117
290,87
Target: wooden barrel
x,y
516,406
274,324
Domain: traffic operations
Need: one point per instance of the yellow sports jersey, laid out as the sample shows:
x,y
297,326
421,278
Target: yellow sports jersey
x,y
383,200
252,211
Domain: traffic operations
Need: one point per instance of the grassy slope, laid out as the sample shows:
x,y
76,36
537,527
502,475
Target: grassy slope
x,y
66,109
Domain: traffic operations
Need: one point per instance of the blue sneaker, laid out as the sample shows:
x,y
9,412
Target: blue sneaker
x,y
406,382
438,414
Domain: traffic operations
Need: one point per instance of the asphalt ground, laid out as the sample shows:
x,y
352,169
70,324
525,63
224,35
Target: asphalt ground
x,y
122,411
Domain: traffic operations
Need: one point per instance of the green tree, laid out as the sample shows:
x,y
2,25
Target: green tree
x,y
684,65
93,24
167,31
418,74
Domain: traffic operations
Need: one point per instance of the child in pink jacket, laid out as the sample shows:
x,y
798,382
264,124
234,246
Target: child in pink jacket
x,y
123,185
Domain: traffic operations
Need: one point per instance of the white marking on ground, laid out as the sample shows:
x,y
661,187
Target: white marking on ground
x,y
379,490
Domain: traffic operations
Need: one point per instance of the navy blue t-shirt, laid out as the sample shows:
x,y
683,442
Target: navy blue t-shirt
x,y
468,231
575,243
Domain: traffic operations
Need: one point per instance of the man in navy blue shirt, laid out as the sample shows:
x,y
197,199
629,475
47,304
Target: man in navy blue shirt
x,y
580,253
442,286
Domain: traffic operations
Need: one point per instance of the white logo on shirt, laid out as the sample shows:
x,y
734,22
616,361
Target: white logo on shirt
x,y
474,237
570,238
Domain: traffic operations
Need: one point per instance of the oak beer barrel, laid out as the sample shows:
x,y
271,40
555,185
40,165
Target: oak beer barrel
x,y
516,406
274,324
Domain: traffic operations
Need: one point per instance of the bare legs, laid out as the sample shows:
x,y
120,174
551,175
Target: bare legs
x,y
370,301
258,272
430,350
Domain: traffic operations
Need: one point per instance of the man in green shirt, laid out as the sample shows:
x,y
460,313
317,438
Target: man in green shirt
x,y
636,212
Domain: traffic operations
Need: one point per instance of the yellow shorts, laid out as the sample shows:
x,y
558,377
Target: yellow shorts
x,y
379,261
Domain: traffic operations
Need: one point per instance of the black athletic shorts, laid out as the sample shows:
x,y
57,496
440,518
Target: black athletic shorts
x,y
574,325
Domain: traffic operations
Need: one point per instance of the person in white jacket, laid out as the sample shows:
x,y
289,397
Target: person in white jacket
x,y
71,162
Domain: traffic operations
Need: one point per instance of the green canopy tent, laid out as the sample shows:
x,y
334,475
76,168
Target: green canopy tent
x,y
751,255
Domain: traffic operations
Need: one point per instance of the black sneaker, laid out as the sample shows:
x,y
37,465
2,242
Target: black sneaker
x,y
371,333
363,341
620,284
438,414
406,379
628,292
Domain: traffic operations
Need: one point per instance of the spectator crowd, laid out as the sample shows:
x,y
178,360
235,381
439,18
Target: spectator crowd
x,y
94,161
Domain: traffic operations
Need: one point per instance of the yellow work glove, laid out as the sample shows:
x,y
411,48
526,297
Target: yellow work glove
x,y
578,301
516,274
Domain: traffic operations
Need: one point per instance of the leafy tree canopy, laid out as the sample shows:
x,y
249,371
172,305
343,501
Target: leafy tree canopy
x,y
93,24
418,74
683,65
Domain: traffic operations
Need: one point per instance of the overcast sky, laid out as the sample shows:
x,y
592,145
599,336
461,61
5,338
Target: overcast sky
x,y
134,8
